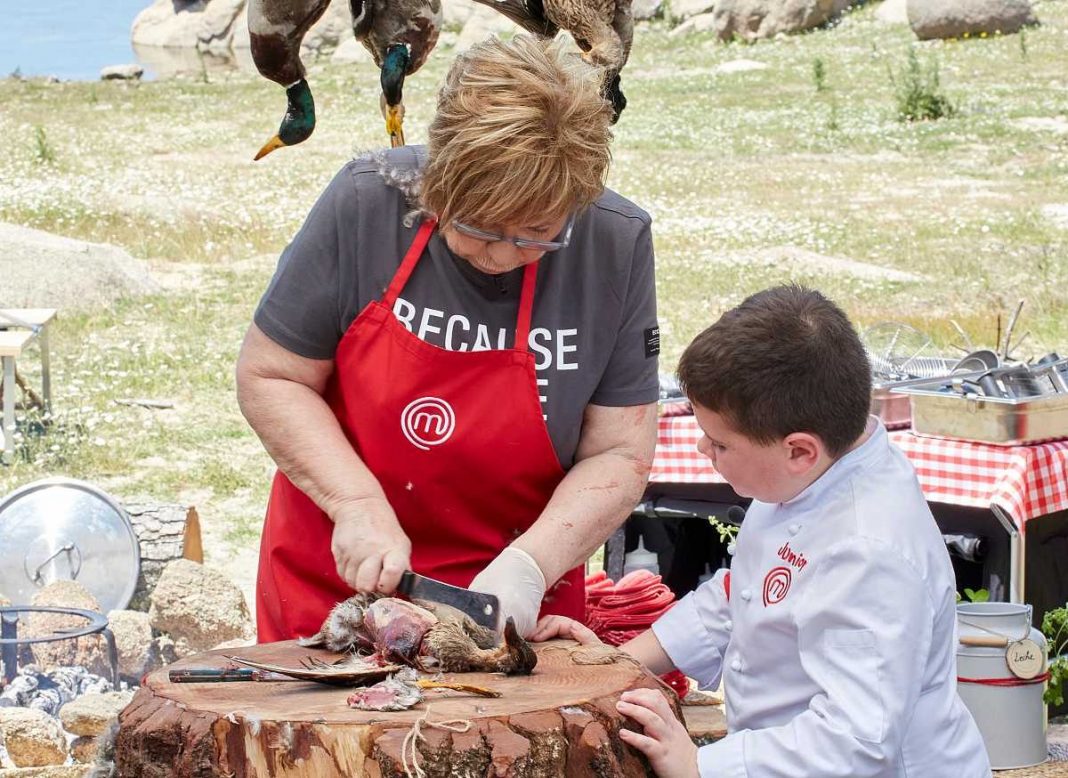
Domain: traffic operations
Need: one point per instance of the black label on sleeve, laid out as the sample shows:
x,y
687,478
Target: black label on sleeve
x,y
652,341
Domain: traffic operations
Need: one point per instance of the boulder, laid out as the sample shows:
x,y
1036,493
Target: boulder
x,y
699,23
67,771
893,12
456,13
334,26
170,23
84,749
198,607
482,24
680,10
122,73
217,21
643,10
42,270
32,737
134,641
957,18
89,651
754,19
90,714
351,50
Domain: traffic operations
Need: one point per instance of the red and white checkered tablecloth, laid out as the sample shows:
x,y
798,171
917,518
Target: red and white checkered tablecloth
x,y
1025,481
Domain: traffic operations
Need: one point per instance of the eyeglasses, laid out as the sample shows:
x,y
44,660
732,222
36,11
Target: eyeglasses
x,y
519,243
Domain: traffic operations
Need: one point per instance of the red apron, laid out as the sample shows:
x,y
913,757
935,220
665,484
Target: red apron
x,y
458,442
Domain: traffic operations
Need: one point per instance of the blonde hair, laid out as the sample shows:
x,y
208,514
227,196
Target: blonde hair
x,y
521,133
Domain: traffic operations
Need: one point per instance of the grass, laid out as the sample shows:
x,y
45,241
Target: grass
x,y
729,164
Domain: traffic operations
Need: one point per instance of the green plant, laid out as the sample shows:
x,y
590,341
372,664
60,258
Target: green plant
x,y
43,152
727,532
919,93
819,74
1055,628
974,595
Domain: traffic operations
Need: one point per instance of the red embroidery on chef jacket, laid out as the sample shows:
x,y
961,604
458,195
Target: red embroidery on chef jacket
x,y
795,558
776,585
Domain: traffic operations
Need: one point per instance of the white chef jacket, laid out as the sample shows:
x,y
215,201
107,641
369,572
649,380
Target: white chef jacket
x,y
837,644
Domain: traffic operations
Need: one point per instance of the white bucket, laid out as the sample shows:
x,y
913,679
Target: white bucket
x,y
1008,709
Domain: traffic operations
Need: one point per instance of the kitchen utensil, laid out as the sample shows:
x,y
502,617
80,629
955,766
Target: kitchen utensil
x,y
482,608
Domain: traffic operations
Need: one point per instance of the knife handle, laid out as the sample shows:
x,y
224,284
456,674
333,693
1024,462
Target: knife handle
x,y
212,675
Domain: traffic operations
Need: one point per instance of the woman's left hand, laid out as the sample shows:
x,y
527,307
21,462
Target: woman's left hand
x,y
665,742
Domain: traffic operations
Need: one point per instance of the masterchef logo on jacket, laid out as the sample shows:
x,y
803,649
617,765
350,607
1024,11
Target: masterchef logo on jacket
x,y
795,558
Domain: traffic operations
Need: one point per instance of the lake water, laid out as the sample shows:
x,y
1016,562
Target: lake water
x,y
71,39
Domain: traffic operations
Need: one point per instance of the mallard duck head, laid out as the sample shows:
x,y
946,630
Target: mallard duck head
x,y
394,67
299,121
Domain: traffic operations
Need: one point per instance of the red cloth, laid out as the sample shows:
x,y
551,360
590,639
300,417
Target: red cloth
x,y
620,611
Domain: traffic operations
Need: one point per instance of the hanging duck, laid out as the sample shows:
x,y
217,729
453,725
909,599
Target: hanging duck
x,y
603,29
400,34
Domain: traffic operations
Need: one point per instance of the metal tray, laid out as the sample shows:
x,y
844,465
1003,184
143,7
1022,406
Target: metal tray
x,y
1002,422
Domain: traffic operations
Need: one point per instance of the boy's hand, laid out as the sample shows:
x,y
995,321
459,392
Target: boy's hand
x,y
550,627
666,743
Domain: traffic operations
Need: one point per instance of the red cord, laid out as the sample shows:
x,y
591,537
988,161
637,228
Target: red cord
x,y
1005,681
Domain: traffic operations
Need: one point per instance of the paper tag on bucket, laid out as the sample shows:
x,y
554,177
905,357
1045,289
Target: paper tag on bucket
x,y
1025,658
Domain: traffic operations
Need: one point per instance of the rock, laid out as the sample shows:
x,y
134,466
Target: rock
x,y
32,737
740,66
643,10
68,771
334,26
699,23
216,24
89,652
166,650
133,639
680,10
122,73
198,607
170,23
83,749
456,13
351,50
957,18
41,270
90,714
753,19
484,23
893,12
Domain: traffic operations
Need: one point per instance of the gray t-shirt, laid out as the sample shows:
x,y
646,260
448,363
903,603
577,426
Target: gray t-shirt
x,y
594,331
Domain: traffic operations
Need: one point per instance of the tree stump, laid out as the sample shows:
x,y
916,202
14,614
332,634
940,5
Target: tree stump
x,y
164,532
559,721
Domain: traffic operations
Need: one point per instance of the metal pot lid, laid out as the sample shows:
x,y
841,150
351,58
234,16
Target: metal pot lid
x,y
63,529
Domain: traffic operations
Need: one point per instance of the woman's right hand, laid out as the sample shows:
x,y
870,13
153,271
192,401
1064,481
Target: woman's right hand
x,y
369,546
549,627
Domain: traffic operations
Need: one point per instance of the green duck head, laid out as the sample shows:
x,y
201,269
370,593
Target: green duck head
x,y
394,68
299,121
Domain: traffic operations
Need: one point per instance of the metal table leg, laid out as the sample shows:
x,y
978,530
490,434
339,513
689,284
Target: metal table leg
x,y
46,372
1016,554
8,418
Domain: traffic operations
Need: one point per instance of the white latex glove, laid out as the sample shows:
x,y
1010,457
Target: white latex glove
x,y
517,581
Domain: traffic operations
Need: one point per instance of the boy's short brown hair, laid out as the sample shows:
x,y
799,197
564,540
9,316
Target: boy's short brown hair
x,y
786,360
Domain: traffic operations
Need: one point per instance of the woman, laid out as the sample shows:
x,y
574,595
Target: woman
x,y
483,413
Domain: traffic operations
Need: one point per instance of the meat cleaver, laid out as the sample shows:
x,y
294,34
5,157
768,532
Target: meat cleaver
x,y
482,608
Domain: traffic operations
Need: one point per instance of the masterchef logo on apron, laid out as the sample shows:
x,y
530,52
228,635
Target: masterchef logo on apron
x,y
428,421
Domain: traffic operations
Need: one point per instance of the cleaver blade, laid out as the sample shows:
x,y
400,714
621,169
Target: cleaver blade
x,y
482,608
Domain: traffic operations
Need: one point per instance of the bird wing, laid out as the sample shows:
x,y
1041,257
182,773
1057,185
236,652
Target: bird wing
x,y
352,671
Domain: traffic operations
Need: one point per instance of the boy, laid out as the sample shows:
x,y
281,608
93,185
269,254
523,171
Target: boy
x,y
834,631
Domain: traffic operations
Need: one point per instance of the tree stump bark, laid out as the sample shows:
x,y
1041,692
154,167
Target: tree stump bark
x,y
164,532
559,721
